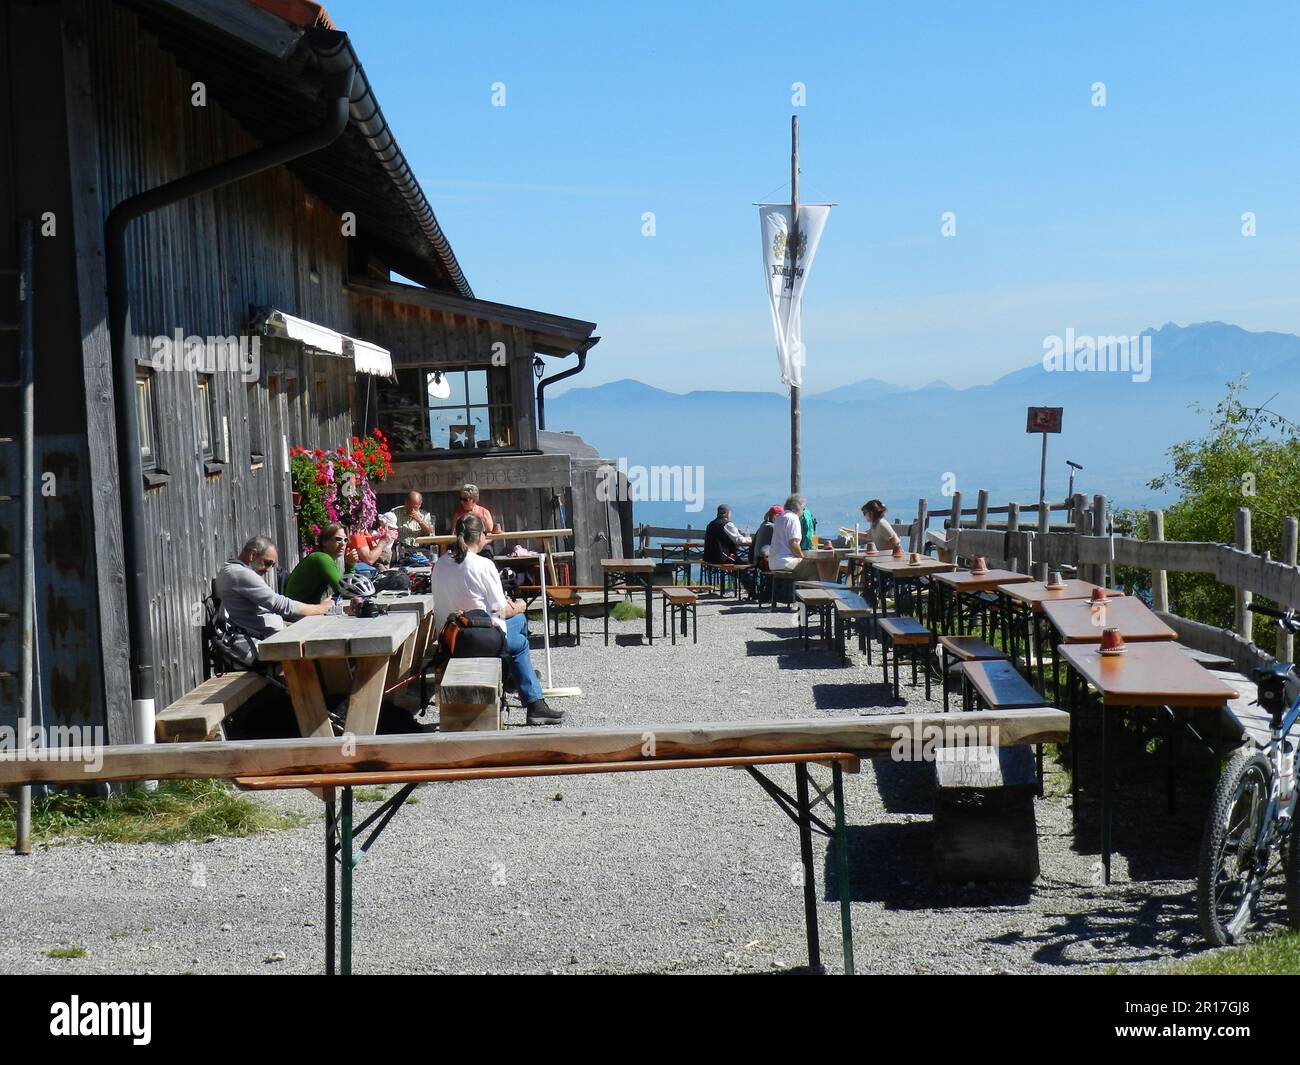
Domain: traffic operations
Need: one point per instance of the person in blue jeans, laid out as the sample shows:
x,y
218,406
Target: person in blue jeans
x,y
464,580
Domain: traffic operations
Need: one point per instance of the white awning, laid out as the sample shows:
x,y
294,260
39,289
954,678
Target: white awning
x,y
366,357
309,333
370,358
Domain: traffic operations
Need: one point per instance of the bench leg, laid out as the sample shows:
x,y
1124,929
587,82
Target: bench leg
x,y
809,872
943,675
331,912
695,623
897,652
842,867
345,914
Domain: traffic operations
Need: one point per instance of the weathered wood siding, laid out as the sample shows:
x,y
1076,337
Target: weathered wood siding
x,y
200,267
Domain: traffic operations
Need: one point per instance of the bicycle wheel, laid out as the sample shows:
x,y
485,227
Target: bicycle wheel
x,y
1230,875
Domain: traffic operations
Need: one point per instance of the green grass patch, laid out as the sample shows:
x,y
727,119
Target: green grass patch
x,y
1273,955
66,952
626,611
369,794
177,810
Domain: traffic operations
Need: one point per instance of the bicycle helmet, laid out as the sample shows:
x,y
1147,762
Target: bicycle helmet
x,y
356,586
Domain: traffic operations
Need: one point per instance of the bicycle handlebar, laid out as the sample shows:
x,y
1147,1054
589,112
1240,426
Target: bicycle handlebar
x,y
1285,618
1272,612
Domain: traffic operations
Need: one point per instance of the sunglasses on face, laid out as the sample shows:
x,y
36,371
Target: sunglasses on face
x,y
262,565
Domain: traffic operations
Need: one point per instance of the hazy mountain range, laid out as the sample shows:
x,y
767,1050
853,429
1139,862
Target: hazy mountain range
x,y
873,438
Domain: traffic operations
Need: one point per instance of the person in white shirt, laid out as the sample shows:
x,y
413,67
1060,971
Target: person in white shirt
x,y
786,554
464,580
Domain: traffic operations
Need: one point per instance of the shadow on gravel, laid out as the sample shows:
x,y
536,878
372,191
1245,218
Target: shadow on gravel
x,y
905,787
890,864
797,658
765,649
853,696
1121,923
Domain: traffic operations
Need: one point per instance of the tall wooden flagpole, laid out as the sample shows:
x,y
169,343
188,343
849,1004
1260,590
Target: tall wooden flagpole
x,y
795,429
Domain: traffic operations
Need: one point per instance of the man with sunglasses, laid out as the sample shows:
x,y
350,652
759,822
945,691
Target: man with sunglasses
x,y
246,598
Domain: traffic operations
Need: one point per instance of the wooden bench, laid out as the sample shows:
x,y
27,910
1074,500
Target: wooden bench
x,y
953,650
998,685
851,609
678,603
778,578
899,634
337,769
469,695
984,825
201,713
820,601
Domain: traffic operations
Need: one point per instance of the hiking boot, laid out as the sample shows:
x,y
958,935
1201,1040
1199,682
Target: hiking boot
x,y
541,714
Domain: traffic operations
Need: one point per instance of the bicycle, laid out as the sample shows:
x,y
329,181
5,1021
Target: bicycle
x,y
1251,815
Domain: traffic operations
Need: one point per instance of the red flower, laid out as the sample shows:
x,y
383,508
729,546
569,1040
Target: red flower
x,y
319,453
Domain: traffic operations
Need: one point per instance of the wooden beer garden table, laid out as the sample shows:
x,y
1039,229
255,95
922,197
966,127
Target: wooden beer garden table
x,y
623,572
953,585
1079,621
1025,599
1154,673
331,641
903,573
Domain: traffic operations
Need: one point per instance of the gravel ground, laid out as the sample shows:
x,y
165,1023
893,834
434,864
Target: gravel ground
x,y
638,872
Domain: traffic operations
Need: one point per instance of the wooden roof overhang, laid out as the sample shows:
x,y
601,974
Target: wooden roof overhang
x,y
550,334
265,71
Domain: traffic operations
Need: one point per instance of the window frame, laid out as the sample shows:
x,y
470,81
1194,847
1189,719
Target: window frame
x,y
426,407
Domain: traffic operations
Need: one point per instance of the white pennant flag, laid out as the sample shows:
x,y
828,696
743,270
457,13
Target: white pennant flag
x,y
785,271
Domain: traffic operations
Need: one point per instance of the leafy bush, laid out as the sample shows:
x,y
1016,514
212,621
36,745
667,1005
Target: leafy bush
x,y
1249,457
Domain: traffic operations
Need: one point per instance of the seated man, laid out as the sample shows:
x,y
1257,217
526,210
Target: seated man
x,y
464,580
762,545
787,554
723,542
248,601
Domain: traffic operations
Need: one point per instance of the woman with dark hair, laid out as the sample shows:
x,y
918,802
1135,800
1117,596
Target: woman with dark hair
x,y
464,580
880,533
319,573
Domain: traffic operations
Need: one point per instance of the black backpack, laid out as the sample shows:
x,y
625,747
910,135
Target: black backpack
x,y
469,634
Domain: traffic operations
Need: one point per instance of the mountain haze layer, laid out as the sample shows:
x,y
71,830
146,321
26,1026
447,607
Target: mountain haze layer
x,y
876,439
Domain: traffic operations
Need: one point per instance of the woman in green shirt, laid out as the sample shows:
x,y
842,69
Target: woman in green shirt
x,y
318,575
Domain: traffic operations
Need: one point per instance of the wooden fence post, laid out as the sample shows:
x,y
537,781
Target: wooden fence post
x,y
982,509
1044,527
1082,518
1013,527
1285,642
1242,595
922,520
1159,579
1104,575
954,526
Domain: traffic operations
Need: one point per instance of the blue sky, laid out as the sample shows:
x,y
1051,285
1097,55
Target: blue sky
x,y
1108,219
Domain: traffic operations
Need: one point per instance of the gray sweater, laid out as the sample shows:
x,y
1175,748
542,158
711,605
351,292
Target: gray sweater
x,y
248,601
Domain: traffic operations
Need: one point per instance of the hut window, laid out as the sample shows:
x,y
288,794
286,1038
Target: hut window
x,y
204,396
256,434
145,420
432,409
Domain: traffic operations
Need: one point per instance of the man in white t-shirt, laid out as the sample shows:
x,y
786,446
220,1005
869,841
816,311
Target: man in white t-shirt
x,y
786,554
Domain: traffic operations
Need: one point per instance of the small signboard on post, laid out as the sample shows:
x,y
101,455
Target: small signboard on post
x,y
1044,420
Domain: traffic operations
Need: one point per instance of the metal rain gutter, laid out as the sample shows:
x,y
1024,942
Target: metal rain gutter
x,y
572,371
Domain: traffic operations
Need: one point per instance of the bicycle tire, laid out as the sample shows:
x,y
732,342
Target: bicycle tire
x,y
1247,769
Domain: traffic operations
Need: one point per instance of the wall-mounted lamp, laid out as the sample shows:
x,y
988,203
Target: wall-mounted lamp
x,y
539,367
